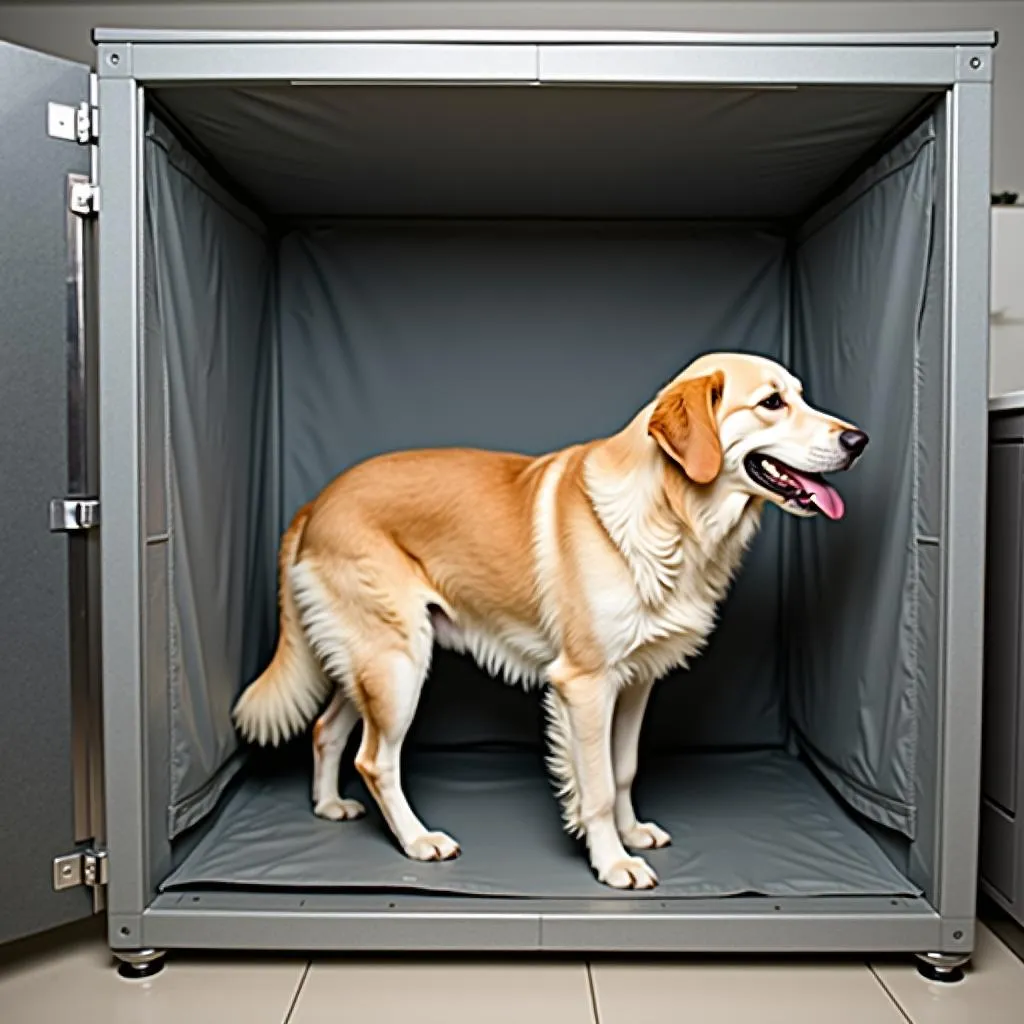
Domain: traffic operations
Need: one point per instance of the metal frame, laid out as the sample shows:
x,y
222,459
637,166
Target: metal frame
x,y
968,141
958,64
124,723
340,922
568,58
473,35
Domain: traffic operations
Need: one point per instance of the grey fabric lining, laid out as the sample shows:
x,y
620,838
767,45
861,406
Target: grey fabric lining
x,y
861,278
506,151
926,777
741,823
286,360
930,467
208,264
531,336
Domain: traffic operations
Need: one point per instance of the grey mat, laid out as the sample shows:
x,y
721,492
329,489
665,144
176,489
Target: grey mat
x,y
741,823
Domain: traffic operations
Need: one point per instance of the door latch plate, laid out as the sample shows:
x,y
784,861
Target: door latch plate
x,y
70,515
84,198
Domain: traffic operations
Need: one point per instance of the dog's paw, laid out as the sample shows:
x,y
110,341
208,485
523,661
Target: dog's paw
x,y
629,873
339,810
433,846
645,835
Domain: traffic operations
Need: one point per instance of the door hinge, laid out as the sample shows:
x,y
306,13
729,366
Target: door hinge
x,y
87,867
84,199
69,515
75,124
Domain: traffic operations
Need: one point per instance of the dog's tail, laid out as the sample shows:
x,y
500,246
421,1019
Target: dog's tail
x,y
560,761
278,704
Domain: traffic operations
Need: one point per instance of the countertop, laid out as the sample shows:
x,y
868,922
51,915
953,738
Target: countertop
x,y
1010,402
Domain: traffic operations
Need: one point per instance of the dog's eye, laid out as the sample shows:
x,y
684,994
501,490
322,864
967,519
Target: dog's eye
x,y
773,402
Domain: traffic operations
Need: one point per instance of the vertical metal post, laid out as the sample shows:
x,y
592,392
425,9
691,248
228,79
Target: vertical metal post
x,y
119,169
968,148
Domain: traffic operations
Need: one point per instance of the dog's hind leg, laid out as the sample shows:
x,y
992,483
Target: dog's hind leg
x,y
367,615
629,716
330,735
388,690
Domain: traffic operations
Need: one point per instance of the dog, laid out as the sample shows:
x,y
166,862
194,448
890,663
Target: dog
x,y
593,570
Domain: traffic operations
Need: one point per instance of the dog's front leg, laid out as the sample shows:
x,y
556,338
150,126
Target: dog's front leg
x,y
629,716
590,704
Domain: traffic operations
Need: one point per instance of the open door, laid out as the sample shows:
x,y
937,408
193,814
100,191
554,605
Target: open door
x,y
50,775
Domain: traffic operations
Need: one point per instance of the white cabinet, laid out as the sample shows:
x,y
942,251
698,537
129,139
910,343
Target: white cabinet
x,y
1006,368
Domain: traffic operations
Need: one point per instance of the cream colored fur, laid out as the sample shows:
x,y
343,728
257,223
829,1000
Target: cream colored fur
x,y
283,700
594,570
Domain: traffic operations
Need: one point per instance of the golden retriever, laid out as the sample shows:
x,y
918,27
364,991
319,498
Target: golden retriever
x,y
594,569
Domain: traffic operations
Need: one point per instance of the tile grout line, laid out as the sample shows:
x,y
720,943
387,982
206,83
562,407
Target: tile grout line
x,y
594,1015
297,993
885,988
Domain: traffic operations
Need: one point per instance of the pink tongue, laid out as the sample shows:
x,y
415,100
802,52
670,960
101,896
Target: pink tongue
x,y
822,495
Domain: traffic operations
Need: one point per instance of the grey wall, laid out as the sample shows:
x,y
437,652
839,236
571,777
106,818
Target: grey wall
x,y
63,28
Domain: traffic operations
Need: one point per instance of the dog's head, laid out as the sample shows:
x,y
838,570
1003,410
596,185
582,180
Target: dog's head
x,y
741,422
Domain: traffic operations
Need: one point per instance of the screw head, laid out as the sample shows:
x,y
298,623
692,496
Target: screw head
x,y
65,871
114,59
975,63
958,935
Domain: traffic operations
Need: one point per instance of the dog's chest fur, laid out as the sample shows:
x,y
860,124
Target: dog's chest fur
x,y
656,592
649,587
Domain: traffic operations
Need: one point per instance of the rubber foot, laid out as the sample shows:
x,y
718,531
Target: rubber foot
x,y
944,976
139,972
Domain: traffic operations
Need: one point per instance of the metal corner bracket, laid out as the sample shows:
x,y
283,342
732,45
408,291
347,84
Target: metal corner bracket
x,y
114,60
974,63
86,867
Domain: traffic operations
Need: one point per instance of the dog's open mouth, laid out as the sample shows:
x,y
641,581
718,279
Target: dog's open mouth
x,y
806,490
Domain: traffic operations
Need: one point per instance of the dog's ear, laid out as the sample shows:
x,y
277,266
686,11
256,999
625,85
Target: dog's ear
x,y
683,423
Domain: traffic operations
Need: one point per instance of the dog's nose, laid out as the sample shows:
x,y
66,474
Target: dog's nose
x,y
854,441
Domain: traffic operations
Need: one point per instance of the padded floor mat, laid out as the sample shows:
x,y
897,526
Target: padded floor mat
x,y
754,823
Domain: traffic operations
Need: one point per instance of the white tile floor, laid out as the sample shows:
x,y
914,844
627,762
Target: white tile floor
x,y
68,977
